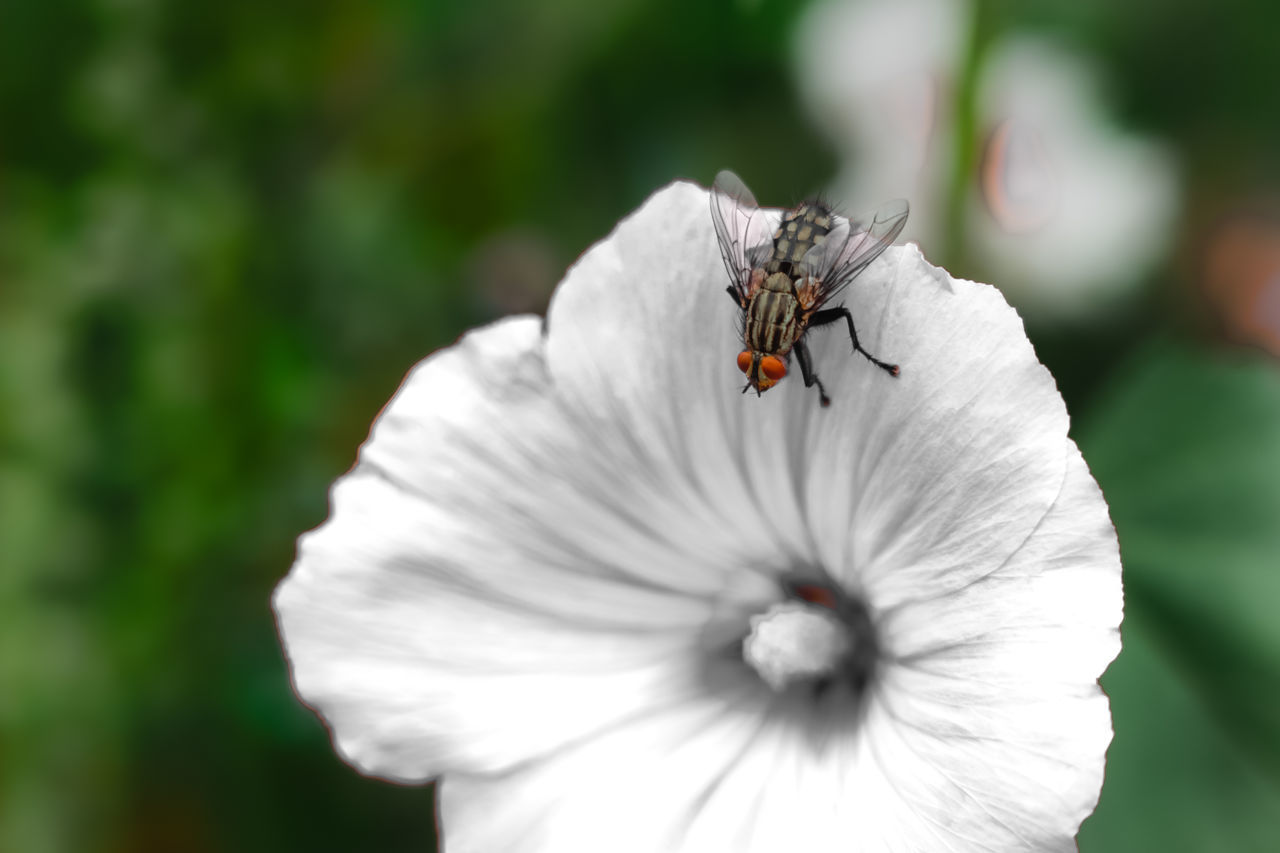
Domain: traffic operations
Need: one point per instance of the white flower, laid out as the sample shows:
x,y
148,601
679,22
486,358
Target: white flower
x,y
878,78
1060,193
1070,194
565,575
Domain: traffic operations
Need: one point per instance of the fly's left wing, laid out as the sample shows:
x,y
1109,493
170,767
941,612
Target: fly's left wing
x,y
851,247
742,230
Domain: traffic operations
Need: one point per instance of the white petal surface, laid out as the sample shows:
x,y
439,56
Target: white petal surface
x,y
992,741
974,423
643,336
1011,662
930,480
481,594
633,789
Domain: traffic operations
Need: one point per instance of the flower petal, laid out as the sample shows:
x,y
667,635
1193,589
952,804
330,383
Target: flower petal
x,y
643,337
437,620
930,480
954,462
483,591
994,687
636,788
996,742
643,341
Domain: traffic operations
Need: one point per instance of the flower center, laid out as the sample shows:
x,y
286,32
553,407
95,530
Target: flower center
x,y
797,642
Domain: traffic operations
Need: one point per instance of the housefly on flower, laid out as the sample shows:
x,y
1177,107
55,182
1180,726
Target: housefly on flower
x,y
784,280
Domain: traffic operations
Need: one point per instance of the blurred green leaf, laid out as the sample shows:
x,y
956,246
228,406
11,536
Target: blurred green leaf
x,y
1186,446
1175,780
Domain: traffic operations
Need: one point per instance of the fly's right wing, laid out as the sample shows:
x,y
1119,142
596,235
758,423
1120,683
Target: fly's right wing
x,y
851,247
742,231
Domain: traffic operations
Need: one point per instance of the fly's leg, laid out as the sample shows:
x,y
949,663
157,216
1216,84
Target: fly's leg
x,y
831,315
733,294
806,370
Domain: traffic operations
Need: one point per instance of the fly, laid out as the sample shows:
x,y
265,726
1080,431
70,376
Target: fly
x,y
783,281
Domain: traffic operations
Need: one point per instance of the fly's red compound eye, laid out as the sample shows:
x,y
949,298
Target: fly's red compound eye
x,y
744,360
772,367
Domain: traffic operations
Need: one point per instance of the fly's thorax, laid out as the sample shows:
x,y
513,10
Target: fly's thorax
x,y
802,228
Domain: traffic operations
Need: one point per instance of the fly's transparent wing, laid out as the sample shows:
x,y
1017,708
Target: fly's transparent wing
x,y
851,246
758,256
742,230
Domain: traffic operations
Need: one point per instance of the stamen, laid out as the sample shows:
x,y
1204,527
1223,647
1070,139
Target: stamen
x,y
794,641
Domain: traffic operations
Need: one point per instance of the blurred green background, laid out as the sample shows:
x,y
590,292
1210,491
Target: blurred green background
x,y
228,229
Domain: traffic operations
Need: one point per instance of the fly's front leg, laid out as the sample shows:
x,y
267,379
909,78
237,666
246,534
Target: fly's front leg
x,y
830,315
806,370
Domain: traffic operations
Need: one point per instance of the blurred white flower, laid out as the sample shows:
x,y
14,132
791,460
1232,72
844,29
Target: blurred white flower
x,y
1065,195
614,604
1059,193
878,77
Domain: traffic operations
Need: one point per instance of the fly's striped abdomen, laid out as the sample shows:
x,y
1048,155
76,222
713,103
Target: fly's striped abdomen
x,y
772,326
802,228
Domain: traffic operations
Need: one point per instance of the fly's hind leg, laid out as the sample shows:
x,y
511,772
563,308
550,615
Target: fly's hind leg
x,y
831,315
806,370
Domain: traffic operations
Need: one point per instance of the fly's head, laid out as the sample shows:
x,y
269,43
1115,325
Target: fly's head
x,y
763,371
